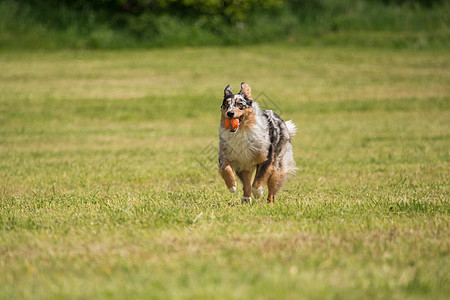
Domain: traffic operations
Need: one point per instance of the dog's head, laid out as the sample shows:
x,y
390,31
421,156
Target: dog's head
x,y
237,106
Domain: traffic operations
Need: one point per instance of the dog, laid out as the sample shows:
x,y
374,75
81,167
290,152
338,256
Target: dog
x,y
261,142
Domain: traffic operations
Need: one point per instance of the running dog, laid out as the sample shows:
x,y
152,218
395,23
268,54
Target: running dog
x,y
261,141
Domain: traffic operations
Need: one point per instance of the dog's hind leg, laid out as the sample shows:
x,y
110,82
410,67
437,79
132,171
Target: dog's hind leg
x,y
274,183
246,178
226,172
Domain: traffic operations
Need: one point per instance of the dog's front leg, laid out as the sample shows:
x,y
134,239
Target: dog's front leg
x,y
226,172
263,172
246,178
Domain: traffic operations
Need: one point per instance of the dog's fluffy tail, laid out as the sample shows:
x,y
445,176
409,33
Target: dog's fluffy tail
x,y
291,128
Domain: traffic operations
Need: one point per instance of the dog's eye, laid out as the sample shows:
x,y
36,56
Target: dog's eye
x,y
225,104
241,106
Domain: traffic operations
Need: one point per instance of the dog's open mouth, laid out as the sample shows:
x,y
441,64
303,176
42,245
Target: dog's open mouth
x,y
235,127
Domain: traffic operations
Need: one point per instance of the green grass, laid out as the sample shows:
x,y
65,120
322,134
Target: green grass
x,y
109,186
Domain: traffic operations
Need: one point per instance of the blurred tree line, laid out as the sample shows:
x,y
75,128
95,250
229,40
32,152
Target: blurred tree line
x,y
116,23
231,10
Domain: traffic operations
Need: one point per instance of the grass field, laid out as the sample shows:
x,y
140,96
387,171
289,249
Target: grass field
x,y
109,186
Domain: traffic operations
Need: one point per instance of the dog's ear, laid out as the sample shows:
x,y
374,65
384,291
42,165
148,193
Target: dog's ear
x,y
227,92
246,90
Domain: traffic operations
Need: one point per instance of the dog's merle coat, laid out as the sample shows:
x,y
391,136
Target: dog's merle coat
x,y
261,142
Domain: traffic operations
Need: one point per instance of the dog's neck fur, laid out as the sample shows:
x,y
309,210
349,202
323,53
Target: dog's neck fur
x,y
248,141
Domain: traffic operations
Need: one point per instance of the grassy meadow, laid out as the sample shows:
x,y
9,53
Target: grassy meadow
x,y
109,187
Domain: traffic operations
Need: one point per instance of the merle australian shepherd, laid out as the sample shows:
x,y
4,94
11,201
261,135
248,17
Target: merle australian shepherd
x,y
261,141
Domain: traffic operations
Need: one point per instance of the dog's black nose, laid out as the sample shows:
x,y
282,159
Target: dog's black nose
x,y
230,114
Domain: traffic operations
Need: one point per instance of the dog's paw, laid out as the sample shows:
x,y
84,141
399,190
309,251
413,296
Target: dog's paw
x,y
232,189
246,200
257,193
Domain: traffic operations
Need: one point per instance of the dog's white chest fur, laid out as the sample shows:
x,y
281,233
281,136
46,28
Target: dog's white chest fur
x,y
243,146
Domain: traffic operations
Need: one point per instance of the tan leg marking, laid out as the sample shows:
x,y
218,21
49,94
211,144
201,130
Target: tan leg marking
x,y
227,174
246,177
274,183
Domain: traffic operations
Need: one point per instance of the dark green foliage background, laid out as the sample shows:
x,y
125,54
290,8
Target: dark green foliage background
x,y
150,23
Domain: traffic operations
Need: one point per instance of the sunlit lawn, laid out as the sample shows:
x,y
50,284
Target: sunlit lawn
x,y
109,187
